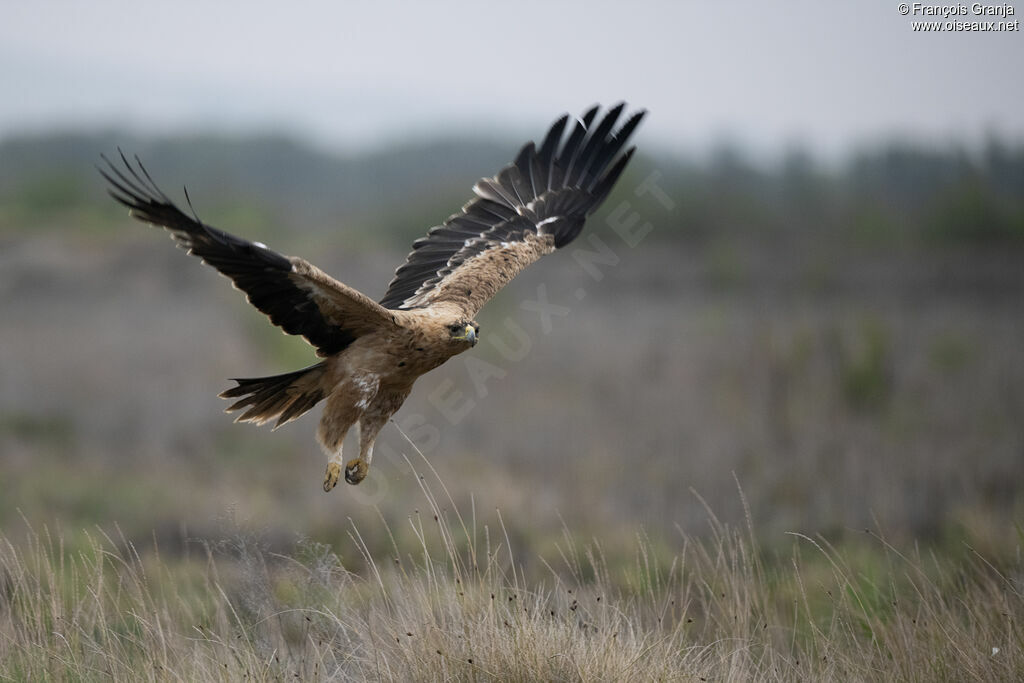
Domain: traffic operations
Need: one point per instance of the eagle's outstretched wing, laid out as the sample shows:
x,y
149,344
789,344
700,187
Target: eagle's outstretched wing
x,y
530,208
297,296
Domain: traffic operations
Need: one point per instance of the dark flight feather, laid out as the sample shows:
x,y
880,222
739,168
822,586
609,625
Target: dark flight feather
x,y
267,278
548,190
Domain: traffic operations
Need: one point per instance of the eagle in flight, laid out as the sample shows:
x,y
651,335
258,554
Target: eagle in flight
x,y
373,352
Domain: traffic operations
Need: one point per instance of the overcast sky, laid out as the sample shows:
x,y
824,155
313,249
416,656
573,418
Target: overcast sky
x,y
356,74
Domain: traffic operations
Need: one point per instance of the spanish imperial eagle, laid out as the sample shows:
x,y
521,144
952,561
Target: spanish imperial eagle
x,y
373,352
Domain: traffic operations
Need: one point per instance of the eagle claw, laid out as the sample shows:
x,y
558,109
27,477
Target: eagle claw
x,y
355,471
332,476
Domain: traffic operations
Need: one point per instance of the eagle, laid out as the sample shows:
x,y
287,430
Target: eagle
x,y
373,351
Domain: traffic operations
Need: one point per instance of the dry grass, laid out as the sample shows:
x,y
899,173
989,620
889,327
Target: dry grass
x,y
454,605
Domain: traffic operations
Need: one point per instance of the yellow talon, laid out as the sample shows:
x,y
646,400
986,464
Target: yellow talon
x,y
332,476
355,471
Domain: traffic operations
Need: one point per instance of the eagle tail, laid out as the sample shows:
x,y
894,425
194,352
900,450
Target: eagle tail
x,y
284,397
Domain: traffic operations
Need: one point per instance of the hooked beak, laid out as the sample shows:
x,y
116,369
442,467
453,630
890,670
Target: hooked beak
x,y
469,334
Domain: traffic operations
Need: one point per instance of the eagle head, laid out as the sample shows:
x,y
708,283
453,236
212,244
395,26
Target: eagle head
x,y
464,332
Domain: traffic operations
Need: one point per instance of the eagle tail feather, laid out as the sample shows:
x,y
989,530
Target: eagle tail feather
x,y
284,397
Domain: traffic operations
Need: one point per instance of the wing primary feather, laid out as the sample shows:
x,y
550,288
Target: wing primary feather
x,y
596,139
188,200
508,176
141,186
608,152
492,189
489,206
539,174
572,146
148,188
524,162
157,192
548,149
600,192
568,153
588,116
553,137
115,191
125,185
462,221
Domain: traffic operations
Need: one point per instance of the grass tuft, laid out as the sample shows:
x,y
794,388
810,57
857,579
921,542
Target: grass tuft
x,y
456,604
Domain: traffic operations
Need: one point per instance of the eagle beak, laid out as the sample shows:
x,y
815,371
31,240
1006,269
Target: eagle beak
x,y
470,334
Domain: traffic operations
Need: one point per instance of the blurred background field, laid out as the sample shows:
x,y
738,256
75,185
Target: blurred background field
x,y
763,420
841,340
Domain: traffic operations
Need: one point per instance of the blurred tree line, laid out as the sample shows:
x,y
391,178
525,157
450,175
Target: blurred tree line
x,y
890,195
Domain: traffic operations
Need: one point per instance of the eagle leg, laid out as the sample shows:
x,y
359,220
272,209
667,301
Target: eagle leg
x,y
332,476
356,470
369,427
337,419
